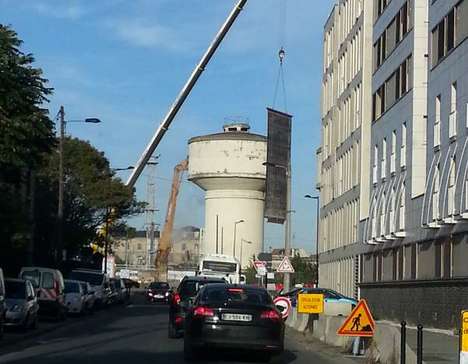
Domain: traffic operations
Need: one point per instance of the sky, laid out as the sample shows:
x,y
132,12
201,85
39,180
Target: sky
x,y
125,62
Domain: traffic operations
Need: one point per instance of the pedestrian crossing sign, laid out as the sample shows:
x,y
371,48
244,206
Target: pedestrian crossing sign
x,y
285,266
359,323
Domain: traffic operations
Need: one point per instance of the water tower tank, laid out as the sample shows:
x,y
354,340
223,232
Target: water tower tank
x,y
229,167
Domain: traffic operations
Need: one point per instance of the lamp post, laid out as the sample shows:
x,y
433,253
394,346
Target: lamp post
x,y
108,213
317,201
63,123
234,238
242,244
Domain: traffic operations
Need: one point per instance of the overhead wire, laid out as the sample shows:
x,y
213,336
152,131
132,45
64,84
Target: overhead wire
x,y
280,78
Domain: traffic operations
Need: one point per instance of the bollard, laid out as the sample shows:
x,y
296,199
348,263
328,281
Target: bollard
x,y
403,343
419,358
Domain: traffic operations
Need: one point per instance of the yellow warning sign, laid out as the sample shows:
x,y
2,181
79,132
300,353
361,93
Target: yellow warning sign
x,y
310,303
359,323
464,332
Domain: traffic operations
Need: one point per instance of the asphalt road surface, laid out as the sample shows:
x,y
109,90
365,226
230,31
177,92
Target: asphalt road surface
x,y
136,334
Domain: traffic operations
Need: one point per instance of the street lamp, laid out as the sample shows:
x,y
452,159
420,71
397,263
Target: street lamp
x,y
242,244
108,212
317,201
234,239
63,122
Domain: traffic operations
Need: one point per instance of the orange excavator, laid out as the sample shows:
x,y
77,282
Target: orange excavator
x,y
165,241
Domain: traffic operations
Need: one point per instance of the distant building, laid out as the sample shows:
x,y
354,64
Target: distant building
x,y
133,252
186,247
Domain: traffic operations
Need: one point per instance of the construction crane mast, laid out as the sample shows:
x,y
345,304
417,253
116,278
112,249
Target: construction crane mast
x,y
179,101
165,242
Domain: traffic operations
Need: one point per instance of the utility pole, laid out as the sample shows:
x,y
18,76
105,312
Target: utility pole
x,y
59,244
287,227
151,210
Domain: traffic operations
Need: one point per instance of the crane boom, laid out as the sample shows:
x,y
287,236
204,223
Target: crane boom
x,y
165,124
165,242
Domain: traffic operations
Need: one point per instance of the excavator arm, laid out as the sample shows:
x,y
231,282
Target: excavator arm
x,y
165,241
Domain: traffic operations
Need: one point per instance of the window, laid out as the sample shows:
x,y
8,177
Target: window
x,y
139,247
392,210
437,122
374,168
393,153
435,194
374,218
461,21
453,111
402,207
47,280
403,146
450,30
447,259
382,215
380,6
383,167
395,87
451,187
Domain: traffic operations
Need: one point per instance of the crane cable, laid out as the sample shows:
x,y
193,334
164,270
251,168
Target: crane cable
x,y
280,78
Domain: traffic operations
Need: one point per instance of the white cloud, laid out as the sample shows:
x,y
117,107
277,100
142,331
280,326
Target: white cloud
x,y
61,10
140,33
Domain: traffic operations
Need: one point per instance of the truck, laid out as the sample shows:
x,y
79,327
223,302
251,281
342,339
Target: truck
x,y
221,266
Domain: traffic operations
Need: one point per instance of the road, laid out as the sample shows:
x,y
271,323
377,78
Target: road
x,y
137,334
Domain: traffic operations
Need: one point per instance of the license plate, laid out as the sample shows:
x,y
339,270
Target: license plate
x,y
159,296
236,317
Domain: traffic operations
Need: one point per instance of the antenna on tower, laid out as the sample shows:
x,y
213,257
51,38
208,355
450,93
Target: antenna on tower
x,y
151,210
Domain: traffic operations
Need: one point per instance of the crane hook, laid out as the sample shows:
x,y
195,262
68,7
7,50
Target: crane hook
x,y
281,55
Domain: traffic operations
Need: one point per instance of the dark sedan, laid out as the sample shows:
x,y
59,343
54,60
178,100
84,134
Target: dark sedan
x,y
181,301
236,317
158,292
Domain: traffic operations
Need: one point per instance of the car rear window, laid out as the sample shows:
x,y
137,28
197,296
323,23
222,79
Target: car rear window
x,y
15,290
236,295
191,288
33,276
72,287
158,285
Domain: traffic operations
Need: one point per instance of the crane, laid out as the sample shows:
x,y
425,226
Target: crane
x,y
174,109
165,242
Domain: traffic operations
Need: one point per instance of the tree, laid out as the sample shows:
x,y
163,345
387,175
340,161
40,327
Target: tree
x,y
92,195
305,271
26,137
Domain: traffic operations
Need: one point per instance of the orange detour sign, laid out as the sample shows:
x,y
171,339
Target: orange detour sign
x,y
359,323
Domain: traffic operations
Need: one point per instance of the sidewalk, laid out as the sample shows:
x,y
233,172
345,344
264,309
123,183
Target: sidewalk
x,y
439,346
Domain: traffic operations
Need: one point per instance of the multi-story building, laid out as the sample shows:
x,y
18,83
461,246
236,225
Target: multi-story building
x,y
413,244
346,120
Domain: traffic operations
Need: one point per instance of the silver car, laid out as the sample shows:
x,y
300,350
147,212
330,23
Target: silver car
x,y
21,302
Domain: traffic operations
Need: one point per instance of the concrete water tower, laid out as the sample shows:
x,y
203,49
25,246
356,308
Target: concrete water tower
x,y
229,167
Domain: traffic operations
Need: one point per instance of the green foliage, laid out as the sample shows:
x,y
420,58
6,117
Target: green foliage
x,y
305,271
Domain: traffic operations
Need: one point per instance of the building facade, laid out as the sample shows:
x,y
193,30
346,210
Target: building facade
x,y
413,243
346,115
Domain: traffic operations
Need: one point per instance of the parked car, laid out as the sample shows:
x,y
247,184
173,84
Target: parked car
x,y
21,301
99,283
181,301
90,298
48,285
158,292
123,294
335,304
2,303
235,317
113,293
75,297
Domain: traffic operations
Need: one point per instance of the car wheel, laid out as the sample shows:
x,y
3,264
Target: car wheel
x,y
190,353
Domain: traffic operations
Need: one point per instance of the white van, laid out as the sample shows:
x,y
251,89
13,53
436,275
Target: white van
x,y
99,283
2,303
49,287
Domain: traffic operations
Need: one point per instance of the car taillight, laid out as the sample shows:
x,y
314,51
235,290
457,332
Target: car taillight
x,y
203,311
176,298
270,315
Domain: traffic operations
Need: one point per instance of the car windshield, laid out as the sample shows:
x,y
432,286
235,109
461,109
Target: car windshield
x,y
95,279
72,287
33,276
15,289
243,295
191,288
159,285
215,266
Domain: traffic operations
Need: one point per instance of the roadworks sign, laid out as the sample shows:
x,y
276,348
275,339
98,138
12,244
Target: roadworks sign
x,y
285,266
359,323
464,338
310,303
